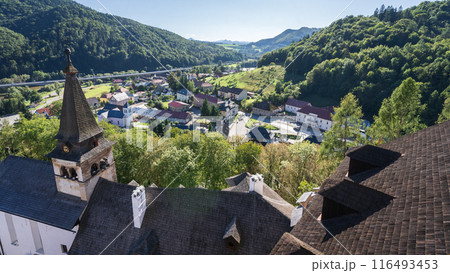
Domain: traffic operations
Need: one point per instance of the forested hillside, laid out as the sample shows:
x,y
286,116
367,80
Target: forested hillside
x,y
33,35
371,56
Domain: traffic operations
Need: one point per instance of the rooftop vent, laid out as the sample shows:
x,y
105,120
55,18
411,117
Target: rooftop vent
x,y
139,206
232,237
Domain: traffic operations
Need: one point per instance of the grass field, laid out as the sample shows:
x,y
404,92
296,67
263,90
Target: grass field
x,y
97,90
253,122
257,80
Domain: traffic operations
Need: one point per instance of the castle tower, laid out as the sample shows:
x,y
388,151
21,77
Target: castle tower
x,y
82,155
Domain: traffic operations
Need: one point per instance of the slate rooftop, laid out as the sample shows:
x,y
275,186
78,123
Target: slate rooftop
x,y
392,199
28,189
182,221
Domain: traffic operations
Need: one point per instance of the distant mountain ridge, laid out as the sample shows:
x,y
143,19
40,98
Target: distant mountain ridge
x,y
283,39
33,35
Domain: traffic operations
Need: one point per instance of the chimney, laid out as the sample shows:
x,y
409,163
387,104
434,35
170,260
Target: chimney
x,y
296,215
139,205
306,198
256,183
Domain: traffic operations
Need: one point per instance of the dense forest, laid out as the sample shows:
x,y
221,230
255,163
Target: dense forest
x,y
371,56
33,35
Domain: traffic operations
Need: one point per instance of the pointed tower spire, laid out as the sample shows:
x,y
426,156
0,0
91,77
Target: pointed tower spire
x,y
77,121
82,155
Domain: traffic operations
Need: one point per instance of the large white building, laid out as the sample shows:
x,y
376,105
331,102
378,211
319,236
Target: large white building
x,y
293,105
315,117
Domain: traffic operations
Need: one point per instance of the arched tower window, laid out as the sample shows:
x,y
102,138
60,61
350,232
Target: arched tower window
x,y
94,169
73,173
64,172
103,163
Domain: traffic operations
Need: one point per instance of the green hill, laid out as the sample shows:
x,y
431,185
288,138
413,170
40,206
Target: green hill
x,y
370,56
34,34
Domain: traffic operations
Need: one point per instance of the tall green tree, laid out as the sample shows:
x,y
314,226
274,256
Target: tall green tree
x,y
399,114
345,132
246,157
205,111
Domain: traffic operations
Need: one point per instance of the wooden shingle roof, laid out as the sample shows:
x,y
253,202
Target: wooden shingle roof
x,y
407,206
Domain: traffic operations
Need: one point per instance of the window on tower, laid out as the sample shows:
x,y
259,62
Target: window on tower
x,y
94,169
64,172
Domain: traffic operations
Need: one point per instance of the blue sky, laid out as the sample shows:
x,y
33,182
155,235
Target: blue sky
x,y
241,20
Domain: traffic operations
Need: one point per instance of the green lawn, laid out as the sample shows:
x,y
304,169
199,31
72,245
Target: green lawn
x,y
263,78
97,90
253,122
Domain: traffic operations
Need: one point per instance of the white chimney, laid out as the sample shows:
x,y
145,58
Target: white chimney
x,y
139,206
305,198
296,215
256,184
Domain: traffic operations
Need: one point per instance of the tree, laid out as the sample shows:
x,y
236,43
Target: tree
x,y
246,157
345,132
399,114
56,108
205,111
214,110
175,167
216,158
32,138
445,115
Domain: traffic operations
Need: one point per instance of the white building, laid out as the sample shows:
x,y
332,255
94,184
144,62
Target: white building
x,y
315,117
184,95
293,105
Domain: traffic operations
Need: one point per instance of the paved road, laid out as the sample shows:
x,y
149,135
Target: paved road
x,y
94,78
238,128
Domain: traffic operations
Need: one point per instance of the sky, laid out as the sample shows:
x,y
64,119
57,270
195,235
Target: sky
x,y
238,20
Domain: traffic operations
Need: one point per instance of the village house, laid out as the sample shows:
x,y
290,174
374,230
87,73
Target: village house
x,y
261,135
119,99
266,108
315,117
184,95
228,109
232,93
204,86
199,98
293,105
43,112
173,116
191,76
93,103
178,106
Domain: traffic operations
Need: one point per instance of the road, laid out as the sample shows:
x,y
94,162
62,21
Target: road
x,y
238,128
94,78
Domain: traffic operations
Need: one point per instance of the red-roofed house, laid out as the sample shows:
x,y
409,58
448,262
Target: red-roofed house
x,y
314,116
293,105
43,112
178,106
199,98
